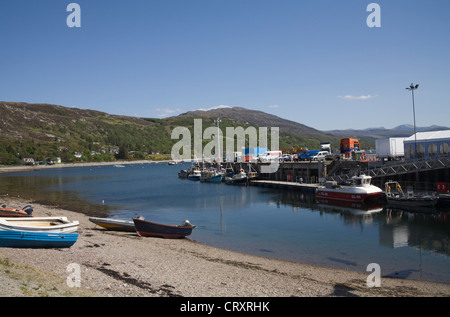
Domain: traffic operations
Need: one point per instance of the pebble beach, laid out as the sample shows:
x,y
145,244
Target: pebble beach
x,y
122,264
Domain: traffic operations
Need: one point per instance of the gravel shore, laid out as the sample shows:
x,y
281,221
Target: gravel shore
x,y
119,264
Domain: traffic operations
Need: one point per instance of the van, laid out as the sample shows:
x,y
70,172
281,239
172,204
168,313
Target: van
x,y
320,156
269,156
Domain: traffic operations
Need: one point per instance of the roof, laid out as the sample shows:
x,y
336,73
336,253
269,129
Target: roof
x,y
430,135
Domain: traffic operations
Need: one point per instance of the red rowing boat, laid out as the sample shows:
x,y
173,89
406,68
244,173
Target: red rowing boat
x,y
151,229
9,212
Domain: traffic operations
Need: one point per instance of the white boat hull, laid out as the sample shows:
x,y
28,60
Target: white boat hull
x,y
39,224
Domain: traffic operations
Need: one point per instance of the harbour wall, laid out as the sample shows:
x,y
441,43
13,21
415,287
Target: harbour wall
x,y
313,172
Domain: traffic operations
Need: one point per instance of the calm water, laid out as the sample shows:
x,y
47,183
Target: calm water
x,y
272,223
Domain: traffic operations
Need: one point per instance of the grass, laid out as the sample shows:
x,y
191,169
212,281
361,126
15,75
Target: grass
x,y
22,280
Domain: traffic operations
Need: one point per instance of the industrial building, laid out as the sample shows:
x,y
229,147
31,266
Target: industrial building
x,y
427,145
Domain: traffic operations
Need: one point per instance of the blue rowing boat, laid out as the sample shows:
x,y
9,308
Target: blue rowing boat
x,y
29,239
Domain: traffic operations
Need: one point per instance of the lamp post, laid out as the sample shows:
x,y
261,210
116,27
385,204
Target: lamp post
x,y
412,88
218,138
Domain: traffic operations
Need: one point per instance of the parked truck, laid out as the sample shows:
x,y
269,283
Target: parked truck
x,y
349,145
391,148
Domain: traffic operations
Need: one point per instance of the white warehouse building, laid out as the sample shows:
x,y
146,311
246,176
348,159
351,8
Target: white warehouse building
x,y
432,144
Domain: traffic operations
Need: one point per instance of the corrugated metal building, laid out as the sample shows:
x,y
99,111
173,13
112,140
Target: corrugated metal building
x,y
432,144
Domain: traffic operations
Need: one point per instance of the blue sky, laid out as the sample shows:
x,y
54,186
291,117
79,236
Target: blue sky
x,y
315,62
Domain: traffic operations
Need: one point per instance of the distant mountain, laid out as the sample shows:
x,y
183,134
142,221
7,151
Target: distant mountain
x,y
404,130
260,119
410,128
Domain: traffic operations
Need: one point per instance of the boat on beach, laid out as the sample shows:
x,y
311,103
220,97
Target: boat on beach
x,y
36,239
26,211
114,224
359,190
396,197
39,224
151,229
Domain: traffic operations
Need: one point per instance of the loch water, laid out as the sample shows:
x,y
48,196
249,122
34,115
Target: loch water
x,y
276,223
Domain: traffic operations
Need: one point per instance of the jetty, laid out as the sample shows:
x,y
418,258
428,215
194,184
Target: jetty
x,y
422,174
286,185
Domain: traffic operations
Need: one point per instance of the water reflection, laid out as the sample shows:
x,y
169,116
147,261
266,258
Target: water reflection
x,y
397,228
50,190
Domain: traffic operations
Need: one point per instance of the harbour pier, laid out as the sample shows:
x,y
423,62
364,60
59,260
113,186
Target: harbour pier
x,y
422,175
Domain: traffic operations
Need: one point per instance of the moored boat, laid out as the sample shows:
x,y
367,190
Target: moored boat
x,y
195,175
151,229
237,179
211,176
26,211
114,224
397,198
32,239
39,224
183,173
360,190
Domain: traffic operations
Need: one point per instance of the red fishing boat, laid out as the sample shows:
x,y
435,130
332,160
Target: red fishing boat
x,y
360,190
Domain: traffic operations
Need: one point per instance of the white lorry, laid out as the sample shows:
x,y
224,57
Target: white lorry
x,y
391,148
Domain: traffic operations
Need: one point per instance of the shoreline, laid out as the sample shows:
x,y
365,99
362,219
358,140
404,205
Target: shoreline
x,y
29,168
121,264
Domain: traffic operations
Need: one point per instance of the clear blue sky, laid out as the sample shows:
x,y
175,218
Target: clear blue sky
x,y
315,62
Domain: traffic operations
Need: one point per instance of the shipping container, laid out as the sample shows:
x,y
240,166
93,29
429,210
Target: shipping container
x,y
391,148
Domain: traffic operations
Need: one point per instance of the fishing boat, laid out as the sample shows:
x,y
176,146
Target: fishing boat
x,y
211,176
114,224
39,224
150,229
359,190
32,239
397,198
237,179
183,173
26,211
195,175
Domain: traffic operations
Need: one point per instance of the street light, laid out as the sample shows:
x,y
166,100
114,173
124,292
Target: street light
x,y
412,88
218,138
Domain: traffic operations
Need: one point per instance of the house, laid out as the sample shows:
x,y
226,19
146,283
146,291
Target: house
x,y
28,161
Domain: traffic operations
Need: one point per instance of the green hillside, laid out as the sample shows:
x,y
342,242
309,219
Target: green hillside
x,y
46,132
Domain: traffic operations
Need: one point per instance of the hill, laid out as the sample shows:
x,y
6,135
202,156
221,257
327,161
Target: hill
x,y
42,131
292,134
